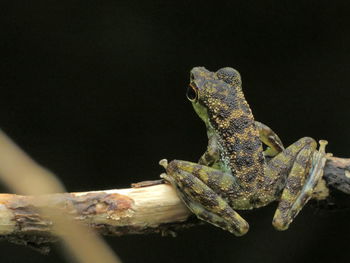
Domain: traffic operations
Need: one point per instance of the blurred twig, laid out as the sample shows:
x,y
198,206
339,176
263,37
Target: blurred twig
x,y
20,216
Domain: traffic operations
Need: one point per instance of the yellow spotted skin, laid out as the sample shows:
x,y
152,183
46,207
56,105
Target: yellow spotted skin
x,y
235,173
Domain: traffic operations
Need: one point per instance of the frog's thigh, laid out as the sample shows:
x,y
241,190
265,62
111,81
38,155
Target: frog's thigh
x,y
270,138
201,199
297,190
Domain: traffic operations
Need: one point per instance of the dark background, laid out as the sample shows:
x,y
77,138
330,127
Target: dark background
x,y
94,90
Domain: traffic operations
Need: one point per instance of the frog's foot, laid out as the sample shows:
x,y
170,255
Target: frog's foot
x,y
201,199
299,189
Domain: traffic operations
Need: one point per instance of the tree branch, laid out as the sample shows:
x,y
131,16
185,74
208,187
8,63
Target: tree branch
x,y
150,209
153,209
337,174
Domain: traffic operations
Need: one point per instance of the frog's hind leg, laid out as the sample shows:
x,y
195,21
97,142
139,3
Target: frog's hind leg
x,y
200,198
306,172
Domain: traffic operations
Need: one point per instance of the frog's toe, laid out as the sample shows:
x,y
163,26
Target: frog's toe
x,y
241,230
164,163
280,224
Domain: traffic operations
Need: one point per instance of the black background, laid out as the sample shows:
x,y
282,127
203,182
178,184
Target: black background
x,y
94,90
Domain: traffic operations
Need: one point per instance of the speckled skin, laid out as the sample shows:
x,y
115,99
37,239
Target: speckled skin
x,y
235,173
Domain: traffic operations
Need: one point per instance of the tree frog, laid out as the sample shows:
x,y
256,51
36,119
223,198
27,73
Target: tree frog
x,y
235,173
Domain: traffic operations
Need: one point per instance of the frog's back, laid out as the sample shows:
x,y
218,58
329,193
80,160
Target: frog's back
x,y
233,121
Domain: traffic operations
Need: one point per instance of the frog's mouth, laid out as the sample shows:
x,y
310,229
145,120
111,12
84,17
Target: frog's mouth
x,y
192,93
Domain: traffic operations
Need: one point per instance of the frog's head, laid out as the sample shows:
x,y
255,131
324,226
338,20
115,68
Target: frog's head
x,y
209,91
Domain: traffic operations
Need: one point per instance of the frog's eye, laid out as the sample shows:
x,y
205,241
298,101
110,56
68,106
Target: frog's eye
x,y
192,93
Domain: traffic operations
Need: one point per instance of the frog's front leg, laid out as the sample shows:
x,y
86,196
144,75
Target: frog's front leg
x,y
211,156
198,185
269,138
306,170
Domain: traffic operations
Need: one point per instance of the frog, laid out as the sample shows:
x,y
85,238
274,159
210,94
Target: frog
x,y
245,165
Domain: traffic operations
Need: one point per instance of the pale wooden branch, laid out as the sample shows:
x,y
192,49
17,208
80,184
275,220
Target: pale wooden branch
x,y
151,209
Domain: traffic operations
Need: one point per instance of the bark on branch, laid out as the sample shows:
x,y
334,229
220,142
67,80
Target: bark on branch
x,y
152,209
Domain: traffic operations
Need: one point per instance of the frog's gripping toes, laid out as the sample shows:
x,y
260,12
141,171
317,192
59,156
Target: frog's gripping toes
x,y
235,173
